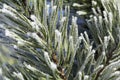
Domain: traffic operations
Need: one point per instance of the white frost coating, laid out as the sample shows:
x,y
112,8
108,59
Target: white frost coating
x,y
47,57
58,33
8,33
106,41
94,3
99,67
35,26
63,19
0,71
15,46
86,77
30,67
103,53
100,19
53,66
105,38
46,54
80,75
94,11
105,14
48,8
37,38
28,34
118,78
95,18
90,47
110,18
71,38
74,19
114,69
91,16
20,42
6,11
116,73
54,8
2,25
19,75
81,12
110,15
34,35
11,35
5,6
114,65
58,39
93,51
33,17
76,5
34,23
80,38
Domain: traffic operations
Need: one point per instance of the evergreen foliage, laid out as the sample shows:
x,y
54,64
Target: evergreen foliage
x,y
46,52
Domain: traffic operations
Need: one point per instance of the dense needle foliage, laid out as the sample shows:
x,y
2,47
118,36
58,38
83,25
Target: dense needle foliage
x,y
44,50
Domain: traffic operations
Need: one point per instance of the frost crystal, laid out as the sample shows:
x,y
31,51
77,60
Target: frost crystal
x,y
80,38
94,3
34,35
90,47
58,35
19,75
15,46
0,71
115,73
53,66
28,34
93,51
86,77
57,32
48,9
7,10
54,8
5,6
81,12
33,17
8,33
95,18
47,57
103,53
46,54
106,41
80,75
99,67
30,67
74,19
105,14
76,5
35,26
71,38
63,19
20,42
